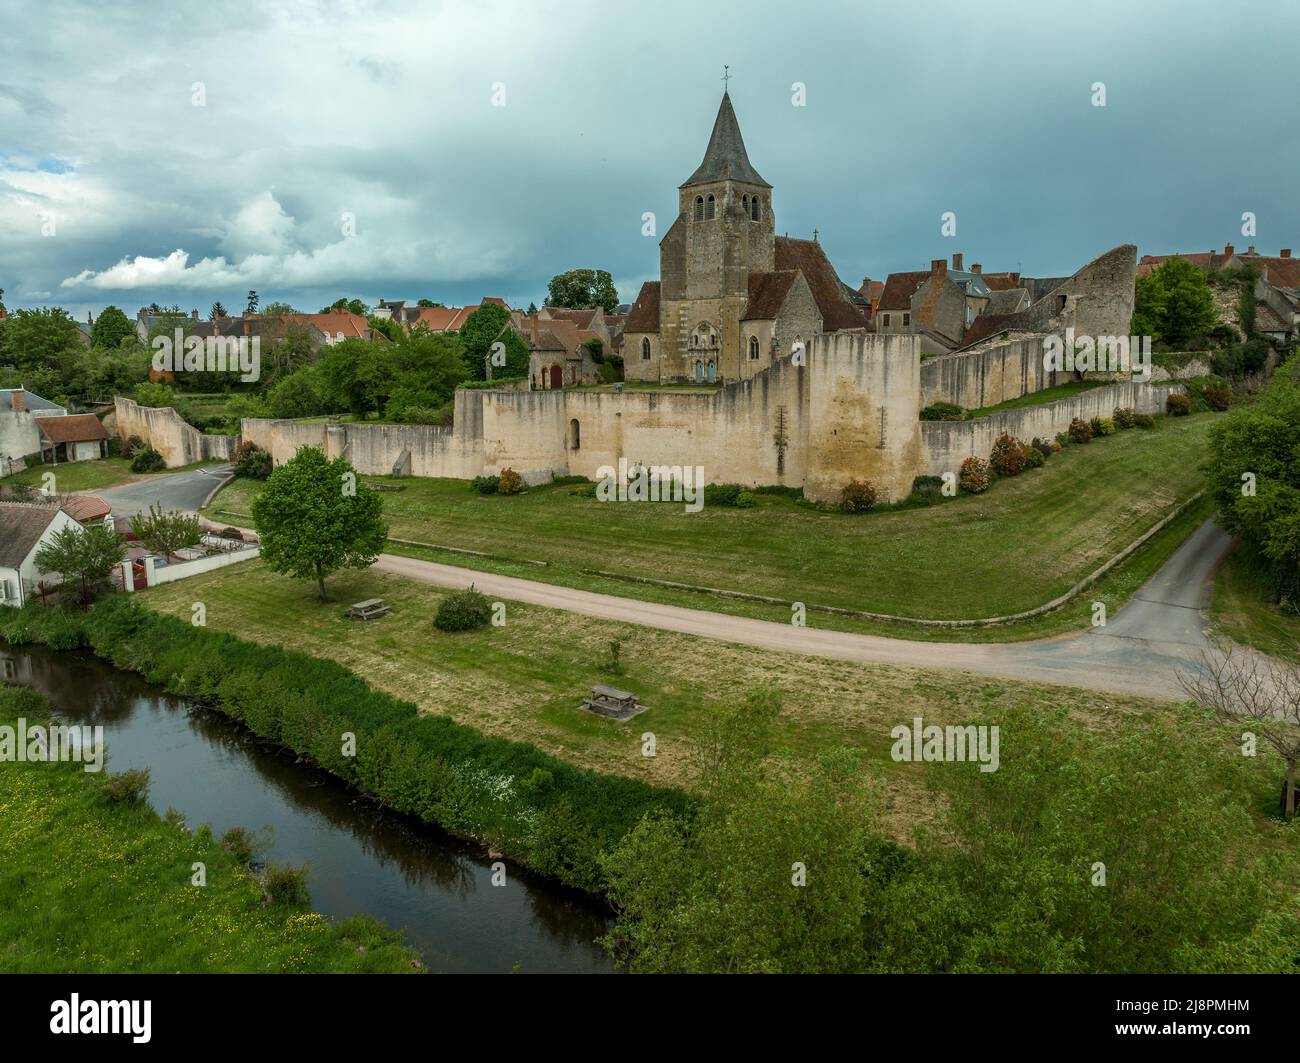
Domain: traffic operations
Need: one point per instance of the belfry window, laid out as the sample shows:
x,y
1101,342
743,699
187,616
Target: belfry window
x,y
699,208
753,208
710,206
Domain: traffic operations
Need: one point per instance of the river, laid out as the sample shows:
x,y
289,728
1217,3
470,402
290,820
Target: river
x,y
362,857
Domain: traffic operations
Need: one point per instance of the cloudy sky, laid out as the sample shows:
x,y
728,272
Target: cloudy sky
x,y
186,152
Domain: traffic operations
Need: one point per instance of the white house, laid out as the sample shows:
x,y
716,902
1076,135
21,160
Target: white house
x,y
24,527
21,412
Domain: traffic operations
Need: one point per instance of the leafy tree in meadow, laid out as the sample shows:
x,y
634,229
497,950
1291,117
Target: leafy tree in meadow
x,y
166,532
1173,304
86,555
111,328
356,375
582,289
314,517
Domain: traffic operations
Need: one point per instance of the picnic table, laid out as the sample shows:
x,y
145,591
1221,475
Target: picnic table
x,y
370,609
612,702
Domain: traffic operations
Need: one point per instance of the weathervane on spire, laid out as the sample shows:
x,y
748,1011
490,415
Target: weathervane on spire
x,y
726,76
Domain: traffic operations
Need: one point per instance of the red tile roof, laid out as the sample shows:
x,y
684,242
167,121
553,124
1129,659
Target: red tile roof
x,y
83,508
827,288
767,292
645,311
74,428
899,289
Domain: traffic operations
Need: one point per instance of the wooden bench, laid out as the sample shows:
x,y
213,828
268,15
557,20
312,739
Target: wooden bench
x,y
370,609
613,703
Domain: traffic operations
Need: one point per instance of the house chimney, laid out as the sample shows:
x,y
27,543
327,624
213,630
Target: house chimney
x,y
1228,250
18,400
1015,279
89,319
938,266
248,327
194,315
1284,253
976,268
956,261
1250,250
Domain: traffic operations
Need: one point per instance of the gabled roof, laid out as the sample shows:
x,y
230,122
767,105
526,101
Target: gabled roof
x,y
1007,301
987,325
31,401
767,292
645,311
83,508
899,289
74,428
21,528
582,318
1279,272
725,159
1001,281
827,288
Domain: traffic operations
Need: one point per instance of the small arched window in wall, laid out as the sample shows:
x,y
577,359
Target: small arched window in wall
x,y
753,348
710,206
744,203
699,208
575,434
753,209
645,349
1060,301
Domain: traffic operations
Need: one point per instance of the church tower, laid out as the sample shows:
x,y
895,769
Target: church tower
x,y
724,231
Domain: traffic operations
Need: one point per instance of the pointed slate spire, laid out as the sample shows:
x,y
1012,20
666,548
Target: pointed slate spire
x,y
725,158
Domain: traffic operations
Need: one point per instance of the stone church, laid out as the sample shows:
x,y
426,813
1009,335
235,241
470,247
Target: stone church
x,y
733,296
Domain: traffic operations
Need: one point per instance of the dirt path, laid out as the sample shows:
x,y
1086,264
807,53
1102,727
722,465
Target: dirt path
x,y
1140,651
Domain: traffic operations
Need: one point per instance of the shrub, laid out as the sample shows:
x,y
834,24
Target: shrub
x,y
1034,458
927,488
1218,396
728,495
486,485
286,886
1062,440
1178,405
1008,457
1143,420
127,787
974,477
1123,417
132,446
147,460
943,411
511,483
858,496
1080,431
242,844
1103,426
746,500
463,611
613,664
252,461
1045,447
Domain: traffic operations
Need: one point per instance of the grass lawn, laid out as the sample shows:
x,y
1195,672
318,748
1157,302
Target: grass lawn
x,y
89,475
90,887
1038,398
1015,547
1245,611
525,680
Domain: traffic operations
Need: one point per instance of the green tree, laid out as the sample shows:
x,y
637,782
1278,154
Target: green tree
x,y
356,375
251,308
314,517
83,554
44,345
111,328
427,368
346,305
481,329
582,289
279,310
166,532
160,394
298,394
218,310
1173,304
1254,472
422,302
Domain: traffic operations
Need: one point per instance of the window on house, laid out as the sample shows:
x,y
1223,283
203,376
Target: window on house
x,y
753,347
886,321
645,350
710,207
699,208
907,319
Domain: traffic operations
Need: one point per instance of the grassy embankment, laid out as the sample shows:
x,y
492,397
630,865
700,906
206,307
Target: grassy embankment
x,y
1244,609
89,886
1021,544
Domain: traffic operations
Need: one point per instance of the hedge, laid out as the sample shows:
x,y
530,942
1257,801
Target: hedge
x,y
521,802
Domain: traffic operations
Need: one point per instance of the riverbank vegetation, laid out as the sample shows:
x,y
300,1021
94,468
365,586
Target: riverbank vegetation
x,y
89,884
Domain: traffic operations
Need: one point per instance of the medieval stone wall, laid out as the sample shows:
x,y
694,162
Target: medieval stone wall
x,y
178,441
986,377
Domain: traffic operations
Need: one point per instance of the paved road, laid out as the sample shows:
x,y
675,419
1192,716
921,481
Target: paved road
x,y
1140,650
181,490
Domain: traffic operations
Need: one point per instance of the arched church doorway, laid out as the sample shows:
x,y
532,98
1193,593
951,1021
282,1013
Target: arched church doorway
x,y
713,371
699,372
557,377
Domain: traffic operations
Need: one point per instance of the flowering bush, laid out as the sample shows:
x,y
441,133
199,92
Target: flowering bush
x,y
858,496
1008,457
1080,431
974,476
